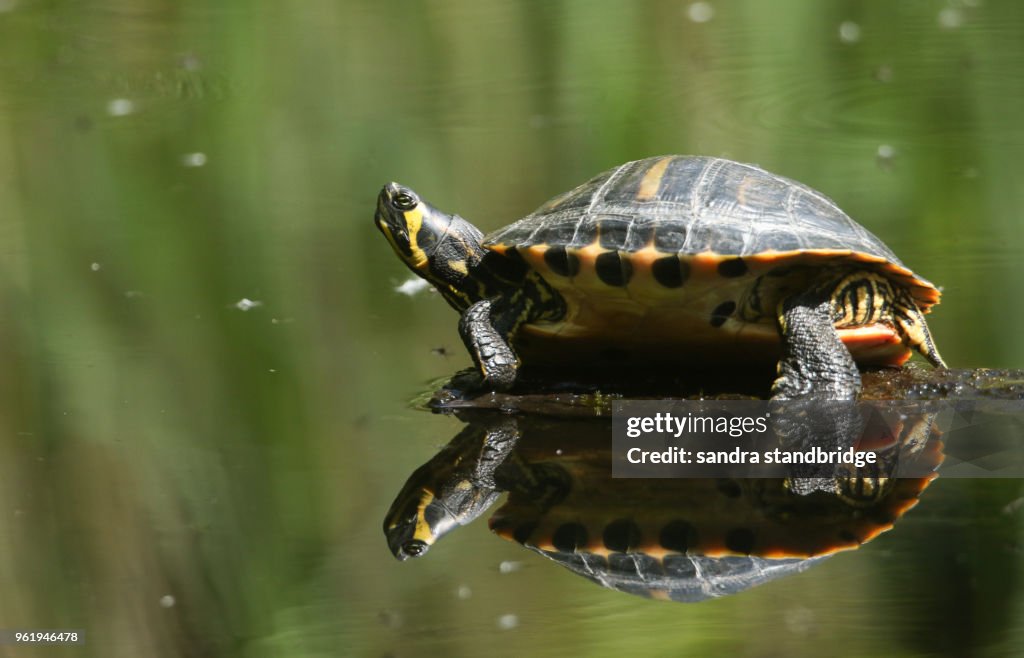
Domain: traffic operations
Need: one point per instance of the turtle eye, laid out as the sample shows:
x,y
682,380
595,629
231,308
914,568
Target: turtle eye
x,y
414,548
404,200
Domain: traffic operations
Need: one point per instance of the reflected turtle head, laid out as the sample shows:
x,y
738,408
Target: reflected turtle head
x,y
424,512
414,524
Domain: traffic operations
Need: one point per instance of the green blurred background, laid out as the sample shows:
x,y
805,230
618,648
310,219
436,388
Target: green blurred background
x,y
179,476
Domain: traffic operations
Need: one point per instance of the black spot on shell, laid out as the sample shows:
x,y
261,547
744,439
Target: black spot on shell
x,y
522,533
732,267
569,537
722,313
561,261
621,535
678,536
670,271
612,270
513,255
740,540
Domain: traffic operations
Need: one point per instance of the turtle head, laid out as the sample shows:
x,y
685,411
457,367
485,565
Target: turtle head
x,y
432,504
441,248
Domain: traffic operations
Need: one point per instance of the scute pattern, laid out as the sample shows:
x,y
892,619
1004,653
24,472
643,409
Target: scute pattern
x,y
701,204
690,205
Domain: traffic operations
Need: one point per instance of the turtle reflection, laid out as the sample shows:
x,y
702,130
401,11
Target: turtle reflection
x,y
678,539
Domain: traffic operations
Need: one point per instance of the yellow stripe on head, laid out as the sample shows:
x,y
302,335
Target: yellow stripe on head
x,y
414,222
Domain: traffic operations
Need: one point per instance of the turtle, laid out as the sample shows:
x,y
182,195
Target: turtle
x,y
674,261
686,539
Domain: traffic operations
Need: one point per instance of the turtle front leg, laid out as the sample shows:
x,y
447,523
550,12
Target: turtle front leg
x,y
814,363
488,346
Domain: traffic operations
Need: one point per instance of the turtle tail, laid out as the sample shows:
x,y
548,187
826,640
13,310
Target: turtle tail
x,y
915,330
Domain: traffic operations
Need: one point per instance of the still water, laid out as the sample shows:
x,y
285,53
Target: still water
x,y
207,364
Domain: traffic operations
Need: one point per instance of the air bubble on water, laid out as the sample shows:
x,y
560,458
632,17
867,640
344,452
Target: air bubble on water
x,y
849,32
7,5
951,17
508,622
464,592
700,12
190,62
119,107
246,304
885,154
196,159
510,566
800,620
167,601
95,267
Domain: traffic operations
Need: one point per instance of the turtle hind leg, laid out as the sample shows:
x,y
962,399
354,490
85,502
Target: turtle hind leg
x,y
489,347
911,324
814,363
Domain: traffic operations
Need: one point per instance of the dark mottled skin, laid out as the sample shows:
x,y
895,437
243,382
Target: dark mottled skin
x,y
491,352
814,363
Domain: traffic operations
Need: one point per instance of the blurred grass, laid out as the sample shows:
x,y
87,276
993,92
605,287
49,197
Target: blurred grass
x,y
159,441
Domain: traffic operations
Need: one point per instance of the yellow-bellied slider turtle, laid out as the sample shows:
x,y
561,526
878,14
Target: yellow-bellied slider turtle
x,y
680,539
678,260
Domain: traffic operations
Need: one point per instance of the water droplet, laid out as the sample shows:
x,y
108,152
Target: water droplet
x,y
700,12
885,154
951,17
119,107
508,622
510,566
849,32
193,159
246,304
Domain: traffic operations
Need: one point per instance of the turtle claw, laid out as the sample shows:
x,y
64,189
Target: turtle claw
x,y
471,381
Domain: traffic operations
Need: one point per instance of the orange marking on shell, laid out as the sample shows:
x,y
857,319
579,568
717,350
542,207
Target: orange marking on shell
x,y
643,259
534,257
706,263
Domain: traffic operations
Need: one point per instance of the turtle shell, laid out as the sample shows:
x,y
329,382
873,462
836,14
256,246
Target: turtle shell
x,y
685,258
737,215
682,539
